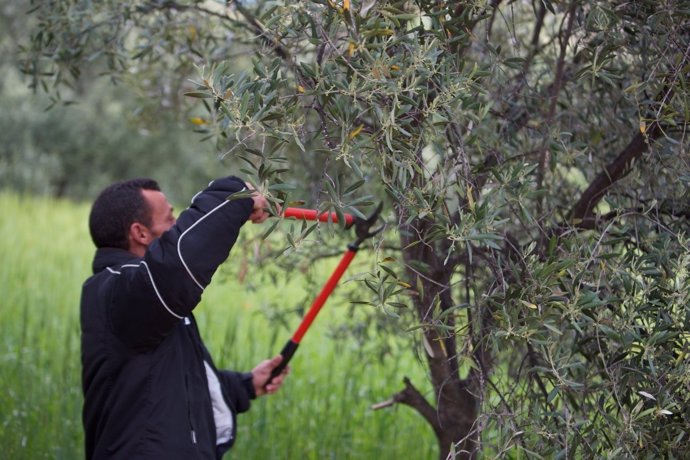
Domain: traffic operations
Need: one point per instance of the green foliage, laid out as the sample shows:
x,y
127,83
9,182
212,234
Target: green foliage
x,y
534,161
606,335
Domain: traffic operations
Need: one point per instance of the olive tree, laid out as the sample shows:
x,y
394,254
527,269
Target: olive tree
x,y
534,161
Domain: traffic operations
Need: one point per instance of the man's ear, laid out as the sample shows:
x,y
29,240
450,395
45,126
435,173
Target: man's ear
x,y
139,234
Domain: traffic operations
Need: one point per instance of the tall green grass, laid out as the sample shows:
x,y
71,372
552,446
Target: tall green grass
x,y
322,412
42,263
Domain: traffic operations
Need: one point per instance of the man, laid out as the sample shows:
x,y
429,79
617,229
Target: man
x,y
151,389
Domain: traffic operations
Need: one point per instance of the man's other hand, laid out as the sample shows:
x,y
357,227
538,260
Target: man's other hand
x,y
262,372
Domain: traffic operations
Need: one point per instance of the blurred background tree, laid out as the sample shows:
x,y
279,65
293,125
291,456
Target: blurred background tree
x,y
102,132
534,161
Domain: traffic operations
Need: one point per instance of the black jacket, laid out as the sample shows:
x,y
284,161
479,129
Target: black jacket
x,y
146,391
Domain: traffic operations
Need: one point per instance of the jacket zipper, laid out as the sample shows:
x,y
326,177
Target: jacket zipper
x,y
189,410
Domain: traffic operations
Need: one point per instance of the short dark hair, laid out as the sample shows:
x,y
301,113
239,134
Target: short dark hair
x,y
117,207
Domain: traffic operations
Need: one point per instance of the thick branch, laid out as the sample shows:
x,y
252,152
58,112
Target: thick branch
x,y
538,26
410,396
517,117
582,213
545,157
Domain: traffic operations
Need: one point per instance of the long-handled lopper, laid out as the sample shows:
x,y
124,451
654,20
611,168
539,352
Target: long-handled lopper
x,y
363,231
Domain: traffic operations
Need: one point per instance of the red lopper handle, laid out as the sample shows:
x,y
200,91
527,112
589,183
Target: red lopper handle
x,y
313,214
293,343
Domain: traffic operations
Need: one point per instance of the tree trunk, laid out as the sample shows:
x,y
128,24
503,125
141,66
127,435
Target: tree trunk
x,y
454,419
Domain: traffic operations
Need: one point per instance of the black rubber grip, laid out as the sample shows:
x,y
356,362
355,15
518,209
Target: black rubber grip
x,y
287,352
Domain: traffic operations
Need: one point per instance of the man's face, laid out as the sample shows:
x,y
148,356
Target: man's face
x,y
162,217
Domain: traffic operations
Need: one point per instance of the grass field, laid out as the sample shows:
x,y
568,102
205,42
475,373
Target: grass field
x,y
323,411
